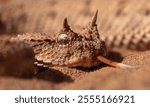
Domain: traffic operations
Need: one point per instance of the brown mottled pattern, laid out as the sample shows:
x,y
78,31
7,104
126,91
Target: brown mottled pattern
x,y
67,48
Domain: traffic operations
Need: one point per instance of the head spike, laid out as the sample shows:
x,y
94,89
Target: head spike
x,y
65,24
93,22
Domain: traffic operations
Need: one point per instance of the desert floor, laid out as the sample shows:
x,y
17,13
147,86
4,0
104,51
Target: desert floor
x,y
24,16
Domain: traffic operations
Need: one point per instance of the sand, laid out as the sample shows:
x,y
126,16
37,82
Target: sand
x,y
100,77
62,78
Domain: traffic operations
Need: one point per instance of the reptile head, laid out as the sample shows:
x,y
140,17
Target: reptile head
x,y
68,48
80,49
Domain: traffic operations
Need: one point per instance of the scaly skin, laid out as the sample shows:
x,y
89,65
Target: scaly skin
x,y
123,24
68,48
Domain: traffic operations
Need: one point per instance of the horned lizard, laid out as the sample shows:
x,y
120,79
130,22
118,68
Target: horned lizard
x,y
68,48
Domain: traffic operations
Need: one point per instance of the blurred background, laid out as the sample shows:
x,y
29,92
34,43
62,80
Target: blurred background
x,y
117,16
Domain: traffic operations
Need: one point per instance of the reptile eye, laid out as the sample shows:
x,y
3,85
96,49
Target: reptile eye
x,y
63,39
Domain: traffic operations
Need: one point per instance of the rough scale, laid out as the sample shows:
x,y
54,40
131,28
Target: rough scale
x,y
68,48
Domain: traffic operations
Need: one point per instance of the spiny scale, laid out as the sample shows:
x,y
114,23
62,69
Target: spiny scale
x,y
65,24
70,49
93,23
67,48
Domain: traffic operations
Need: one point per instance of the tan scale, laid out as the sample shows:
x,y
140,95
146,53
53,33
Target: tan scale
x,y
136,24
70,49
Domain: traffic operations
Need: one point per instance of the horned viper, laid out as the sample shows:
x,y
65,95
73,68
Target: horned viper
x,y
68,48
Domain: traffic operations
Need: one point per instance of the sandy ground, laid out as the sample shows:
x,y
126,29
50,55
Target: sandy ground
x,y
100,77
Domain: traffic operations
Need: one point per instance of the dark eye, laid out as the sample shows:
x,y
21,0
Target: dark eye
x,y
63,39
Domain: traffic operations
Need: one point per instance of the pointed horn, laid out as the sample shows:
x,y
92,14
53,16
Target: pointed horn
x,y
93,23
65,24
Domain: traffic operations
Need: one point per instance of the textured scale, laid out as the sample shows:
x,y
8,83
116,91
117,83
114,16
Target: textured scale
x,y
136,39
124,24
68,48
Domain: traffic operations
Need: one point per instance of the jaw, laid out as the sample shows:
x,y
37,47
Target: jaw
x,y
84,62
74,62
